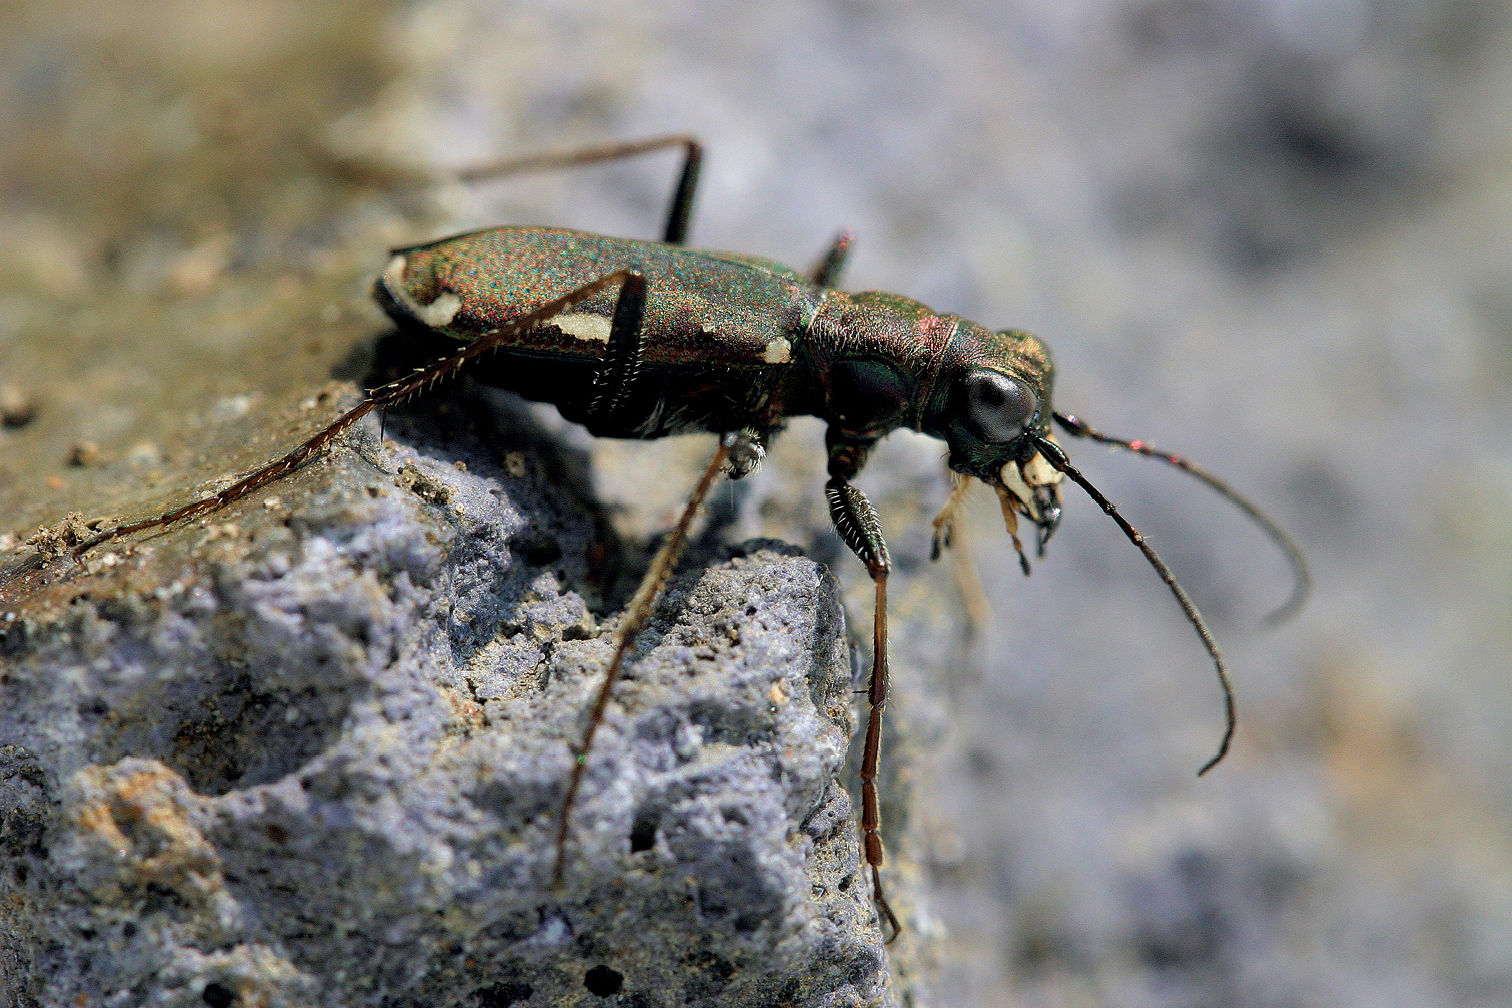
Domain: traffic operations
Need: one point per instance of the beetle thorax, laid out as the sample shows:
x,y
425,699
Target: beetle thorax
x,y
875,358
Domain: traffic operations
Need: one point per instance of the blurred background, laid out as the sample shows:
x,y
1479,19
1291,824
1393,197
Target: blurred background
x,y
1272,235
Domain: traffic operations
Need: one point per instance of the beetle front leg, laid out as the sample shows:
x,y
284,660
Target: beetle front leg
x,y
857,523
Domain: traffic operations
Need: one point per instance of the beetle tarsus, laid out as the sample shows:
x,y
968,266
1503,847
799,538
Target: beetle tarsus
x,y
827,271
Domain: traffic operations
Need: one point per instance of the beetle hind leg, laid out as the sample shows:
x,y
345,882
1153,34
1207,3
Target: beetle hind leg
x,y
408,387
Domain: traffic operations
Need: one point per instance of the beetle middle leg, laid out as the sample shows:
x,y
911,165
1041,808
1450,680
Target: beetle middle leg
x,y
615,377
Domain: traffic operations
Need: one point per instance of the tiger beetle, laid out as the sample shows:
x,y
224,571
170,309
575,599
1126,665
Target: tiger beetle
x,y
636,339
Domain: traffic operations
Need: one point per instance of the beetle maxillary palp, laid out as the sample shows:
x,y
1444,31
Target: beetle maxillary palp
x,y
1010,505
945,521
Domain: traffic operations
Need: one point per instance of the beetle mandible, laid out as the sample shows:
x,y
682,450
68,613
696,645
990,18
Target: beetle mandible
x,y
636,339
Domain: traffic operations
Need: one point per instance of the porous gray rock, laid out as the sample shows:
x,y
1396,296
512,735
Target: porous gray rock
x,y
311,751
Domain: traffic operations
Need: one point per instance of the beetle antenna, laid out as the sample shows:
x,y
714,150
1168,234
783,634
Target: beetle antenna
x,y
1301,578
1053,454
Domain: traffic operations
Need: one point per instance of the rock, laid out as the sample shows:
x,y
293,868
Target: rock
x,y
312,750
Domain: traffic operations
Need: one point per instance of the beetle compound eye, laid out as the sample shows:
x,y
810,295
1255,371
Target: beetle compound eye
x,y
998,406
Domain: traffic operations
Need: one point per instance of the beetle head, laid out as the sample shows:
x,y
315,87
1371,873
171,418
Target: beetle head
x,y
992,407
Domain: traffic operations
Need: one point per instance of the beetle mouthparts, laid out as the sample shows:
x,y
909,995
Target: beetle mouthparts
x,y
1031,489
1036,485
